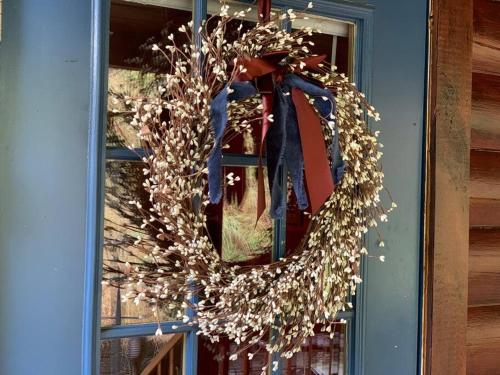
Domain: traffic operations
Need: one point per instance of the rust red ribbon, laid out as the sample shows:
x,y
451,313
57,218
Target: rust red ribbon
x,y
319,178
264,9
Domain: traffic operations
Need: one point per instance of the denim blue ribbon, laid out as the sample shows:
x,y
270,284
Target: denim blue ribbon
x,y
218,120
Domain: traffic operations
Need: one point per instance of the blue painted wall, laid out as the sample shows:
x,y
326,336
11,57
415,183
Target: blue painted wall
x,y
44,101
44,117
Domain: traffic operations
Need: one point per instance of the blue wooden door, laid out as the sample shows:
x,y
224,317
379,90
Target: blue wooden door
x,y
53,70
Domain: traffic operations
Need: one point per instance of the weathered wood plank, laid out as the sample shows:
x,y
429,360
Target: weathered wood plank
x,y
483,341
486,141
484,266
486,106
483,359
485,58
485,175
486,47
487,21
484,213
447,250
483,325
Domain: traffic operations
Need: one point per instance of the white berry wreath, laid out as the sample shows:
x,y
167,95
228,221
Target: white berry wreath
x,y
182,270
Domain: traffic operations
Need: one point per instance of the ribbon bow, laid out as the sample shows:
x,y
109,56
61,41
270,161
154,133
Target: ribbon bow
x,y
294,140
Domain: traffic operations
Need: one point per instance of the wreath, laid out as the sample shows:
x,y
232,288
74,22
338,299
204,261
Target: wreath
x,y
314,124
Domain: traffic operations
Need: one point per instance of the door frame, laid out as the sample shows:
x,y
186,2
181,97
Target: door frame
x,y
361,15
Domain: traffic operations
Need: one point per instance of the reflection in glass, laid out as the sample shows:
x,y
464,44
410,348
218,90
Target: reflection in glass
x,y
320,355
135,26
124,84
122,224
247,142
143,355
243,366
335,41
213,358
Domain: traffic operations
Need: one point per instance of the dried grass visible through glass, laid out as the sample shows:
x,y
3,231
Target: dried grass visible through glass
x,y
124,83
242,240
121,227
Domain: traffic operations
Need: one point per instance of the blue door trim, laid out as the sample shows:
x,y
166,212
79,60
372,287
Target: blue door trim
x,y
95,187
144,329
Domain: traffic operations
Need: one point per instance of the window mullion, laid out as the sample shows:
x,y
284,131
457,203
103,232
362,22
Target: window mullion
x,y
191,349
144,329
279,243
279,248
199,14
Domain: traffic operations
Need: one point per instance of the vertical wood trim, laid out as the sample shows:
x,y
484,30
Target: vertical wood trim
x,y
447,204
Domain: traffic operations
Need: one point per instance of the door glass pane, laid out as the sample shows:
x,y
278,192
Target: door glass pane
x,y
247,142
335,41
123,84
320,355
232,222
134,27
122,225
145,355
213,358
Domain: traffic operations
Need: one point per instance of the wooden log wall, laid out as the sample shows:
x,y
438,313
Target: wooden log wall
x,y
483,329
